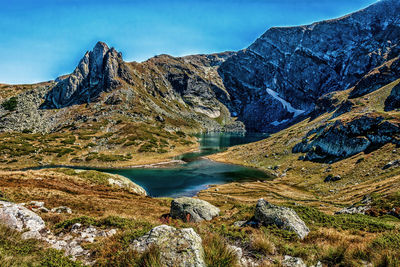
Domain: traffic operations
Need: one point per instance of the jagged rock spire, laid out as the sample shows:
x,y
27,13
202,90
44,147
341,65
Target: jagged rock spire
x,y
96,72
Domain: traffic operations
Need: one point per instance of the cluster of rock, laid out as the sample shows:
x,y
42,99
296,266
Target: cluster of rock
x,y
71,242
22,219
339,140
332,178
365,207
177,247
168,239
358,208
39,206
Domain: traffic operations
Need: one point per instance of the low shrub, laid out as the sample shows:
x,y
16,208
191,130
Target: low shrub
x,y
10,104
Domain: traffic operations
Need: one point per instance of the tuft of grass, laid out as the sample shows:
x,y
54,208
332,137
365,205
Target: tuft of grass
x,y
151,257
390,240
54,257
261,244
218,253
388,259
336,256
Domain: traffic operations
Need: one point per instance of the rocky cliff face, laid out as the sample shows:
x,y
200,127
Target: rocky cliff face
x,y
97,71
286,70
339,140
393,101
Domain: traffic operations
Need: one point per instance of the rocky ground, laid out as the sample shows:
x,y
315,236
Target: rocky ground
x,y
92,218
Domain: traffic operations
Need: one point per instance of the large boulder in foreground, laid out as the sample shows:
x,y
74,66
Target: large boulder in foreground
x,y
192,209
282,217
178,247
21,219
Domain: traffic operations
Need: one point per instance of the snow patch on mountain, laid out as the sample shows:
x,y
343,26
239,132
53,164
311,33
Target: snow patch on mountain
x,y
286,104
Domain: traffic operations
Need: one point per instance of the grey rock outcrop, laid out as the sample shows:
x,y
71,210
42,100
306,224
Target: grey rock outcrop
x,y
178,247
195,210
337,141
97,72
377,78
125,183
285,218
393,101
358,208
21,219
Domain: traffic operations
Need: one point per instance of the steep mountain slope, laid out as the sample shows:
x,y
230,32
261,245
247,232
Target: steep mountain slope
x,y
300,64
355,140
124,108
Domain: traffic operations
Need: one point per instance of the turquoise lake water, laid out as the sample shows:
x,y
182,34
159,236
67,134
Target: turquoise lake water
x,y
197,173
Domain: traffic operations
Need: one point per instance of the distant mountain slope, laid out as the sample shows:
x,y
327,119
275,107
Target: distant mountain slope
x,y
273,83
300,64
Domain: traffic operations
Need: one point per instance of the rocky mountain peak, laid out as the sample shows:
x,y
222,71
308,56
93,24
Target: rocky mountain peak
x,y
96,72
288,68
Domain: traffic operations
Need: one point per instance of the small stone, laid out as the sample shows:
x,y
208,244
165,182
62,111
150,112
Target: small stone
x,y
61,209
290,261
331,178
239,223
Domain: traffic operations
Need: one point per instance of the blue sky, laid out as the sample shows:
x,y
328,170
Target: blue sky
x,y
43,39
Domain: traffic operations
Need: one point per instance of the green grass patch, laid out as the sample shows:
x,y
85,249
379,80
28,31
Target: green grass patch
x,y
312,216
10,104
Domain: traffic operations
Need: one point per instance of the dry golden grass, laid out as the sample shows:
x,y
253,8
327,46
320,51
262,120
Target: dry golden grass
x,y
82,196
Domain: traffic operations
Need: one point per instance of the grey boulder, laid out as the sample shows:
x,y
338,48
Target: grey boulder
x,y
192,209
21,219
178,247
285,218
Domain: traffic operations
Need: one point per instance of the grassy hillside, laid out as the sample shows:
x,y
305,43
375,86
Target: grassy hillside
x,y
345,240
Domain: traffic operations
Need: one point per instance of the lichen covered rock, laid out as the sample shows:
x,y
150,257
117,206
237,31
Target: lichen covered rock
x,y
285,218
178,247
21,219
192,209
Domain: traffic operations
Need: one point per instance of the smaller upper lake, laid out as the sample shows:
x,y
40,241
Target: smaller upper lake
x,y
197,173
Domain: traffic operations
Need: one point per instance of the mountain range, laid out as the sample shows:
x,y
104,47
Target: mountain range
x,y
287,75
